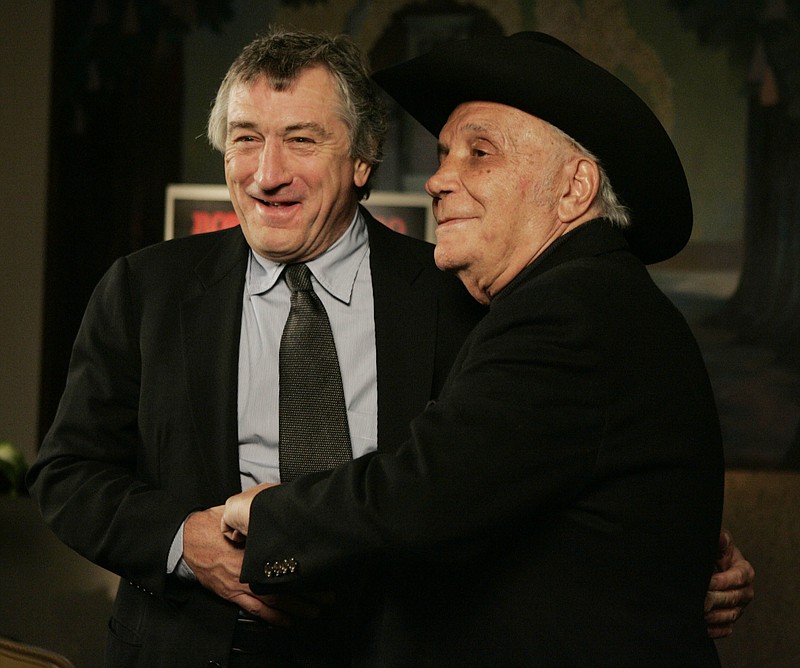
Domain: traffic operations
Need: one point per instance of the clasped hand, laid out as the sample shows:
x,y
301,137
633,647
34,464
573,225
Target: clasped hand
x,y
731,588
236,515
216,558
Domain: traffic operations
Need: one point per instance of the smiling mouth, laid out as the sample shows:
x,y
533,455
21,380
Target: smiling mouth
x,y
451,219
275,205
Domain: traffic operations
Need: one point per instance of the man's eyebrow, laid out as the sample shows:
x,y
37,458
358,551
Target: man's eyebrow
x,y
309,126
476,128
471,128
241,125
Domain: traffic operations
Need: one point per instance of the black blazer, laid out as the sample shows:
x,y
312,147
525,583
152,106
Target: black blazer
x,y
146,430
558,506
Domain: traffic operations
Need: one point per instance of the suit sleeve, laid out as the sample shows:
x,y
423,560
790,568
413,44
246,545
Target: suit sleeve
x,y
515,431
87,478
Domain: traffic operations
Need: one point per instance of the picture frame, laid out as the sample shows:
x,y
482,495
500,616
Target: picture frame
x,y
198,208
405,212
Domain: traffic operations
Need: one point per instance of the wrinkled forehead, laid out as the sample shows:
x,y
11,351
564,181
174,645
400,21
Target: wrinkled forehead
x,y
496,120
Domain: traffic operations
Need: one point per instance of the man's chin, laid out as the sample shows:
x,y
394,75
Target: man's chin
x,y
445,259
276,244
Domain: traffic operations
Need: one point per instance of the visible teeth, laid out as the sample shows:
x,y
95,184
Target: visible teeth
x,y
274,204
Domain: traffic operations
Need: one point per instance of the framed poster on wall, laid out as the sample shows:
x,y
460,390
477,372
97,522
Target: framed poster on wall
x,y
407,213
198,208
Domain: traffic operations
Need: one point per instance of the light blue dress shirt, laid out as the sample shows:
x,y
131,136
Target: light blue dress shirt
x,y
342,279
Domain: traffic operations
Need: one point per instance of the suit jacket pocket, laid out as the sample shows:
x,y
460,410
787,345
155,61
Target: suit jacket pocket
x,y
127,619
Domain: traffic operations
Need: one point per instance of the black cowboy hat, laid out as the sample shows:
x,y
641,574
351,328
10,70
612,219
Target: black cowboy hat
x,y
544,77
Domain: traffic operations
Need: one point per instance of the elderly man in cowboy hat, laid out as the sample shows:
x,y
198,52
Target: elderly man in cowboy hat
x,y
559,505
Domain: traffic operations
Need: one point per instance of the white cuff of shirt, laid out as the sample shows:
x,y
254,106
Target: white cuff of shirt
x,y
175,562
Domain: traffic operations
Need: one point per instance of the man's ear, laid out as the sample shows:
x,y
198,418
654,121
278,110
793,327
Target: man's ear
x,y
580,189
361,172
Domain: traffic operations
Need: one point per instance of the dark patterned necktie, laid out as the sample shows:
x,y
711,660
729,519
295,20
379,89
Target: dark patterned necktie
x,y
312,417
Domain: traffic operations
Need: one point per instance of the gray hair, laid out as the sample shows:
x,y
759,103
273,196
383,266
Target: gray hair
x,y
607,199
610,206
280,56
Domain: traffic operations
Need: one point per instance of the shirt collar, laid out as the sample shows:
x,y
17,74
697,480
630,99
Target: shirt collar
x,y
335,270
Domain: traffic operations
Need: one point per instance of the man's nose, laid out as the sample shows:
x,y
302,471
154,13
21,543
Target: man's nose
x,y
442,181
272,169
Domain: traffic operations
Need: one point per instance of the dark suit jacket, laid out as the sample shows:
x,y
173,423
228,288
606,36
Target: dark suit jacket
x,y
558,506
147,428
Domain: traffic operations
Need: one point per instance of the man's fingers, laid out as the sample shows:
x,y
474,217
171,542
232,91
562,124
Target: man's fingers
x,y
233,535
732,598
283,610
723,617
722,609
725,542
727,580
236,512
216,559
720,622
257,608
739,576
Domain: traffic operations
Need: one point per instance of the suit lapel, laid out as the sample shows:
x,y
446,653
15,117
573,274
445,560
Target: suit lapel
x,y
210,328
405,317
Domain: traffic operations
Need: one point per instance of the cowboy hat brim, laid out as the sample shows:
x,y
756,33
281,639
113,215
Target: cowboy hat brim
x,y
544,77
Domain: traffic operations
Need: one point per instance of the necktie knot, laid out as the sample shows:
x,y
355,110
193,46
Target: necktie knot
x,y
298,277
